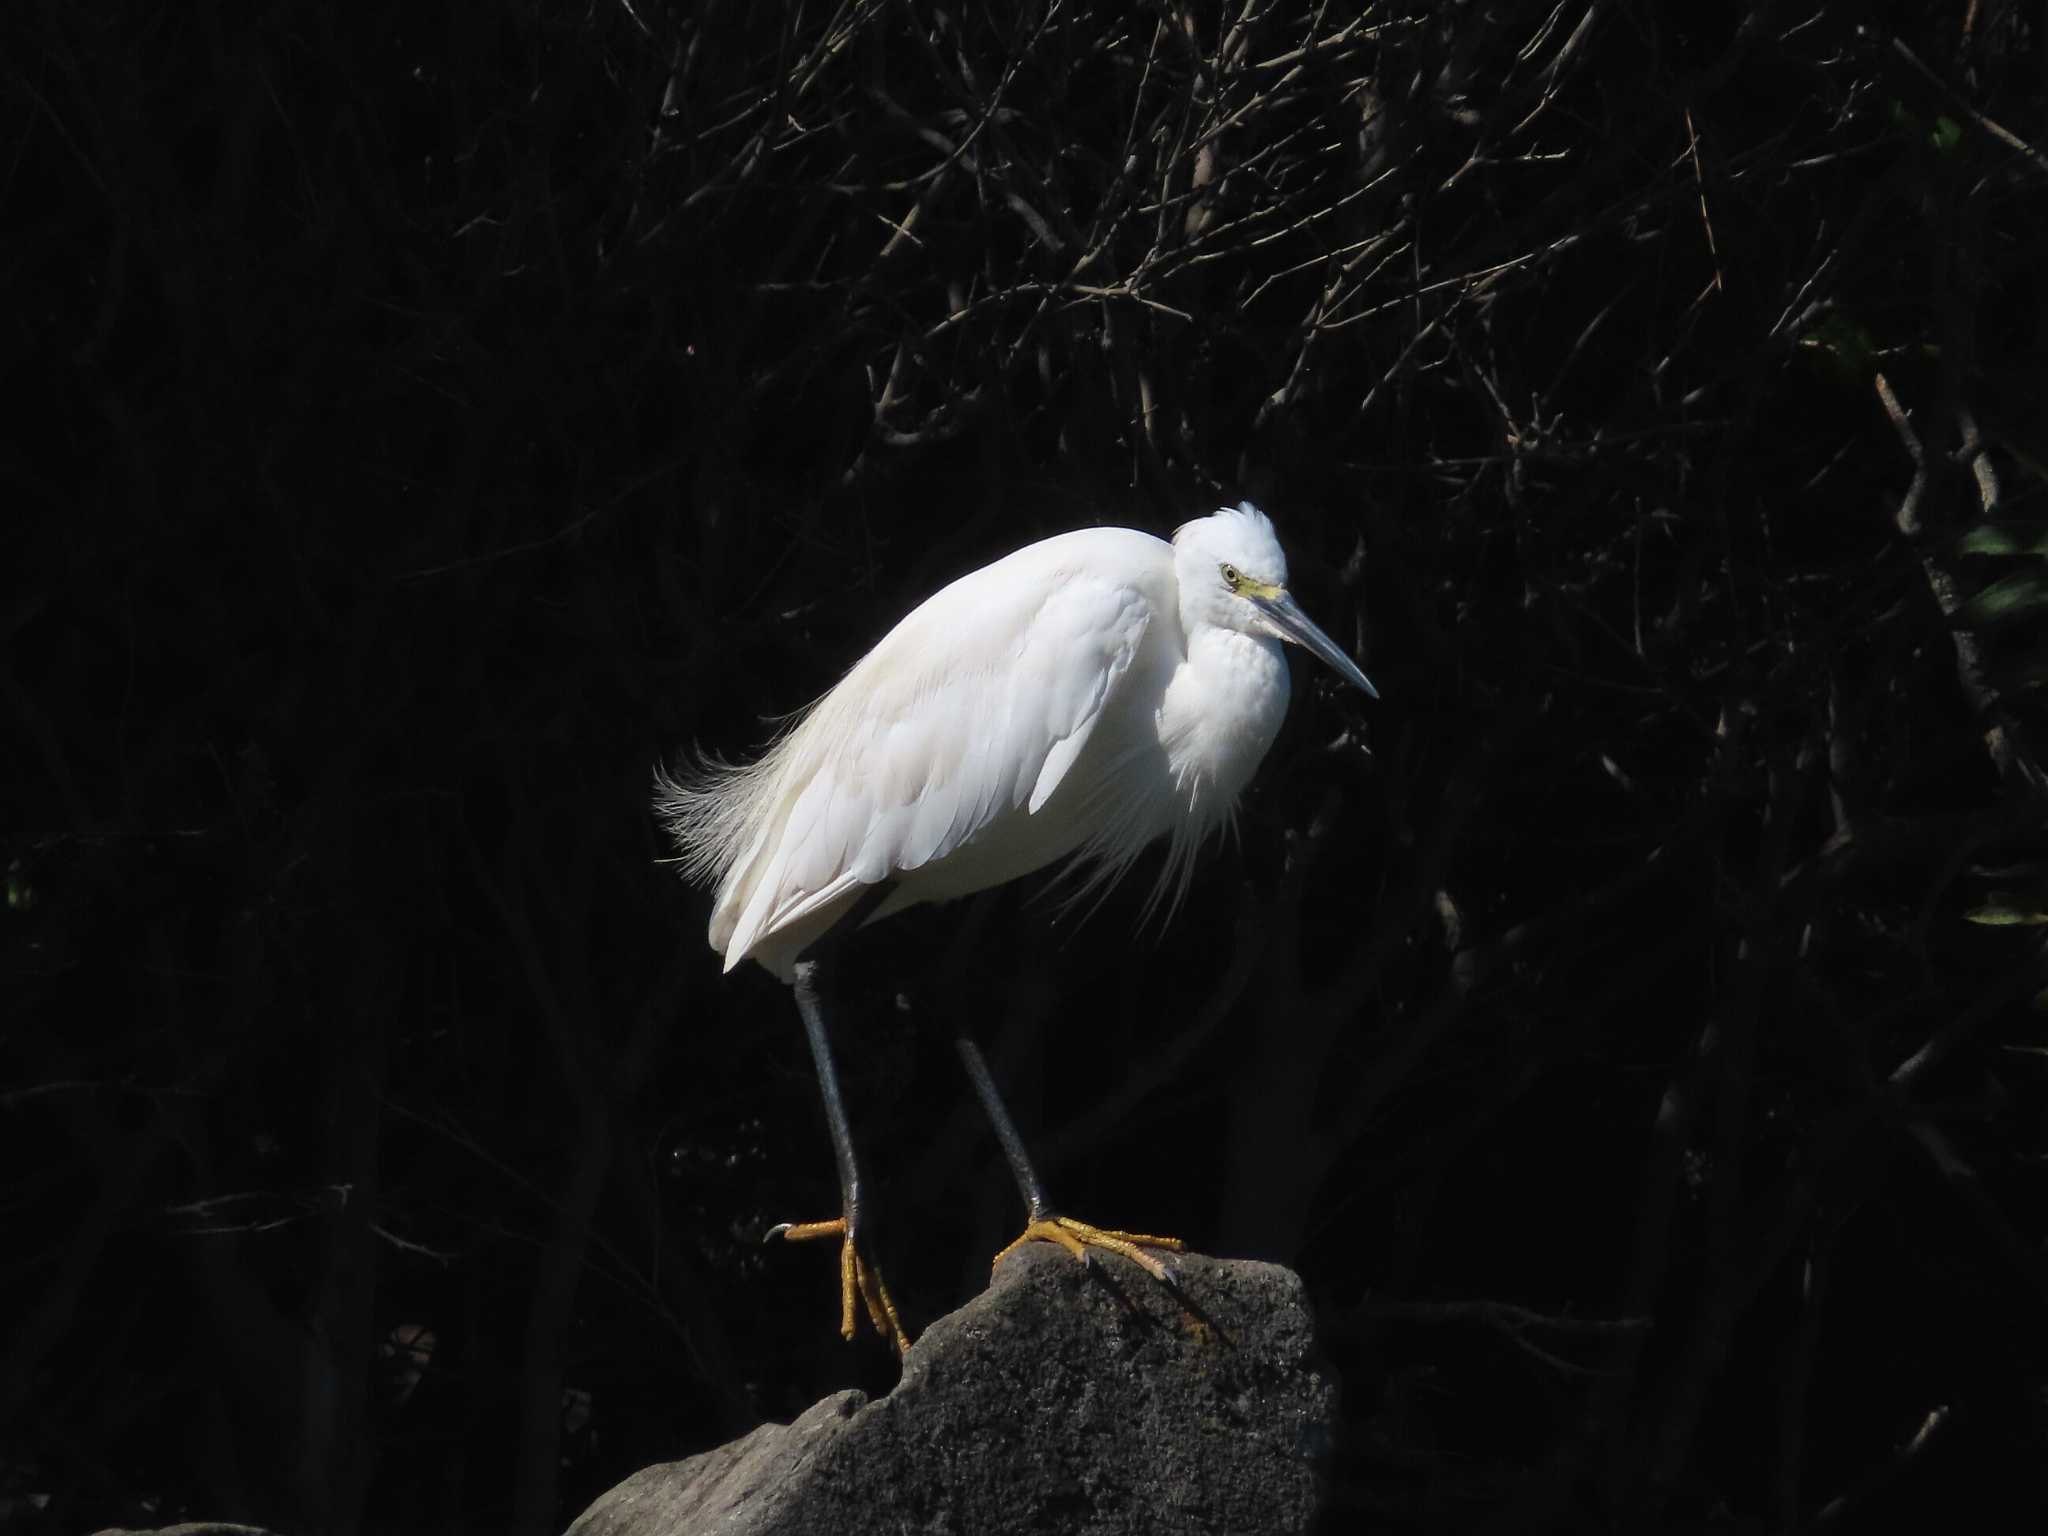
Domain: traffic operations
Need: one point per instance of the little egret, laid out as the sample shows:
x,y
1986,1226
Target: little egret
x,y
1077,700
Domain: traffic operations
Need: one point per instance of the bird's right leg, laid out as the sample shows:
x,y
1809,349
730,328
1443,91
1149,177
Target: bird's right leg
x,y
1042,1224
858,1272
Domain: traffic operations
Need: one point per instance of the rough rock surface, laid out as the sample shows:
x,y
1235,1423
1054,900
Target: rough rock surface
x,y
1062,1399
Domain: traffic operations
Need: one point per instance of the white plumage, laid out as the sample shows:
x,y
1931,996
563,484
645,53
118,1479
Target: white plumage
x,y
1075,700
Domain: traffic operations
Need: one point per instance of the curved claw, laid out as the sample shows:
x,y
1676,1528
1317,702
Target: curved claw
x,y
804,1231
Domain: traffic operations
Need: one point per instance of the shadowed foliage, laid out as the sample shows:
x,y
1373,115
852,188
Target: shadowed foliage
x,y
427,420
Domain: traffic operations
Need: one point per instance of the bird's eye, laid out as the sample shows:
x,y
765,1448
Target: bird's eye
x,y
1233,578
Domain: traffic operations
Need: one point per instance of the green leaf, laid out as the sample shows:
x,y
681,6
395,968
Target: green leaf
x,y
2005,917
2007,909
2008,598
1948,133
2006,539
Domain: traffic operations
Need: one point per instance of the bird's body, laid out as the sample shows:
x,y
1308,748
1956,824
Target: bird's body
x,y
1075,700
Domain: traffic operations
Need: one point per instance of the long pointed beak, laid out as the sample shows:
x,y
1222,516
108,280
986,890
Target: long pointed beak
x,y
1286,617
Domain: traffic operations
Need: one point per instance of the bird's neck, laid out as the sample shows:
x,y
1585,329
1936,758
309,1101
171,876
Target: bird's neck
x,y
1222,711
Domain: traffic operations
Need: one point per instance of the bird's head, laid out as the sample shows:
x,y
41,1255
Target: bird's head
x,y
1233,574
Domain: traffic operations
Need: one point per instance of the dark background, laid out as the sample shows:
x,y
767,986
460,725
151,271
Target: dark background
x,y
428,419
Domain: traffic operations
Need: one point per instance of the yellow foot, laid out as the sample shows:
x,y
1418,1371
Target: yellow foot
x,y
1077,1237
856,1274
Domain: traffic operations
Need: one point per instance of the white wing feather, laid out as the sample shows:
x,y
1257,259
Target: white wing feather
x,y
974,708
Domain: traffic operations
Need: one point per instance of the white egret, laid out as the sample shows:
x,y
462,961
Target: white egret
x,y
1077,700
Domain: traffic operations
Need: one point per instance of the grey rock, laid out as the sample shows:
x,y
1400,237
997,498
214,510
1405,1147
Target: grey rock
x,y
1063,1399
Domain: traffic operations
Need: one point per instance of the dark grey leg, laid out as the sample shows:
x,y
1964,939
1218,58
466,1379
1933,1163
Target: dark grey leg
x,y
858,1271
1042,1222
810,1004
1036,1206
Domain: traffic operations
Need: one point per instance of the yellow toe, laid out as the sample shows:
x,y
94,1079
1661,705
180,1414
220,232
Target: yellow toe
x,y
857,1277
1077,1237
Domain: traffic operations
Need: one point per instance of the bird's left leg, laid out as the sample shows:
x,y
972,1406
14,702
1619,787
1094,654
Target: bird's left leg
x,y
1042,1223
859,1274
